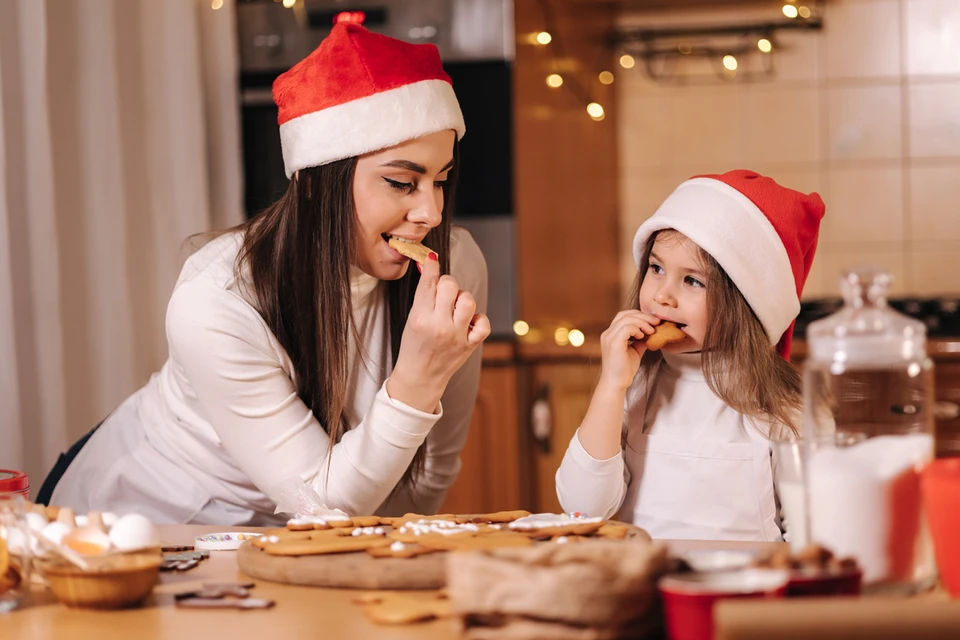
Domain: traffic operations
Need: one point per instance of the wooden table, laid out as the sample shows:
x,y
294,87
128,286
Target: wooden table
x,y
299,611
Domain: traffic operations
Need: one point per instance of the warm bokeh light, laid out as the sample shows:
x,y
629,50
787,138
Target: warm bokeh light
x,y
521,328
544,38
790,11
554,80
804,12
627,61
606,77
729,63
561,336
764,45
576,338
216,4
595,111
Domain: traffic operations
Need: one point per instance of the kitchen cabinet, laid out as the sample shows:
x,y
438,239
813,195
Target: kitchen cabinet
x,y
490,478
566,387
560,383
946,374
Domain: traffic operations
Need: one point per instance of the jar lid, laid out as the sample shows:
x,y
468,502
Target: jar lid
x,y
866,331
11,481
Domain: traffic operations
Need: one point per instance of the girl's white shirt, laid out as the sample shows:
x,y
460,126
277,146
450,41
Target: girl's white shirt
x,y
690,466
220,431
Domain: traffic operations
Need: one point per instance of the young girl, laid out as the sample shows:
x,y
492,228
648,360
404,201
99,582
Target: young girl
x,y
304,349
677,441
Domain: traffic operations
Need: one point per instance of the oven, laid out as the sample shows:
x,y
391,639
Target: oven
x,y
475,39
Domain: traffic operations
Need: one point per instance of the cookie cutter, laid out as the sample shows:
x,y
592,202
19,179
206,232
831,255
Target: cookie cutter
x,y
227,595
179,565
183,561
214,603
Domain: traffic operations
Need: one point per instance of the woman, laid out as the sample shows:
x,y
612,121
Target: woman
x,y
303,349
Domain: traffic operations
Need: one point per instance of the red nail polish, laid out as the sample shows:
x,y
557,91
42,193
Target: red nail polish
x,y
419,267
433,256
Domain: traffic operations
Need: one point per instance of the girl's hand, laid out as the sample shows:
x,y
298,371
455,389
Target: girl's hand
x,y
442,331
622,346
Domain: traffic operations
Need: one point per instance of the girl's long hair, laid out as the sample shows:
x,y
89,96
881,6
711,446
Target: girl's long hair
x,y
739,364
298,254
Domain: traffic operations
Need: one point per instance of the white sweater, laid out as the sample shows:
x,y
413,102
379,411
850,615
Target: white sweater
x,y
219,435
681,408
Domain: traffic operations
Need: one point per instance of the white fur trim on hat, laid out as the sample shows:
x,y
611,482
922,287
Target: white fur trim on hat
x,y
367,124
731,228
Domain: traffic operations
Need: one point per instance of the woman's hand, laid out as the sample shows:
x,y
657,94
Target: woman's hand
x,y
622,345
442,330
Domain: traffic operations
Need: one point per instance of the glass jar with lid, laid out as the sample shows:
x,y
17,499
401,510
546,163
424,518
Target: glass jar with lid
x,y
868,427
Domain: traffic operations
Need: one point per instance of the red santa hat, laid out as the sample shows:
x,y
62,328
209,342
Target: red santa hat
x,y
359,92
762,234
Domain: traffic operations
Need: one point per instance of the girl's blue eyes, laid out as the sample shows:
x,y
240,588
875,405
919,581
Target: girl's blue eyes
x,y
690,280
409,187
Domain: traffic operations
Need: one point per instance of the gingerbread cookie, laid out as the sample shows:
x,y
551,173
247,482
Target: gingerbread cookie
x,y
367,521
412,250
613,531
307,523
399,549
552,524
277,535
499,517
389,607
664,333
497,540
416,530
325,544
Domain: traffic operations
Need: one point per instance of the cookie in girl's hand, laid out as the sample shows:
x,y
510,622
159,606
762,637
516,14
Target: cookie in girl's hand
x,y
413,250
664,333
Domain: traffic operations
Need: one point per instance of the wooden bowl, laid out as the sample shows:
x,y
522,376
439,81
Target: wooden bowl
x,y
116,582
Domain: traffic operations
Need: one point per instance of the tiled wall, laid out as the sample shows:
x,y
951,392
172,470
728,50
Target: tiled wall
x,y
866,112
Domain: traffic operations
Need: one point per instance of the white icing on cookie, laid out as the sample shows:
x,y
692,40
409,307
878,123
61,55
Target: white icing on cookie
x,y
544,520
442,527
331,515
302,520
397,546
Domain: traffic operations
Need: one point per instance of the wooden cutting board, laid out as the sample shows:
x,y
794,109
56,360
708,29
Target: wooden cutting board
x,y
357,570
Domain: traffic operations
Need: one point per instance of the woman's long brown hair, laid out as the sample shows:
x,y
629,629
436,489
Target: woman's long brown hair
x,y
298,254
739,364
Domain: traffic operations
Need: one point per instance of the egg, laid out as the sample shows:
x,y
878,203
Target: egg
x,y
109,518
133,531
87,541
55,531
18,541
35,521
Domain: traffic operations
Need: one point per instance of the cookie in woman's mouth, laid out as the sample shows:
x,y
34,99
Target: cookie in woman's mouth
x,y
409,248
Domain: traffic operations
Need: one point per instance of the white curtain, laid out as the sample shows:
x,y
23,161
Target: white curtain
x,y
119,137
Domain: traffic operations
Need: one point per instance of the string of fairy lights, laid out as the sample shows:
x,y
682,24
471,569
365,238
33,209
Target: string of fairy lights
x,y
550,39
736,43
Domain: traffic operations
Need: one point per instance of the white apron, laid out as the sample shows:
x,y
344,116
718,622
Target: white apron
x,y
693,489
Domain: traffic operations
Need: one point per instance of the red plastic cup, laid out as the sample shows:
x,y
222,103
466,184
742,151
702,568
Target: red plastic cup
x,y
689,598
940,487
